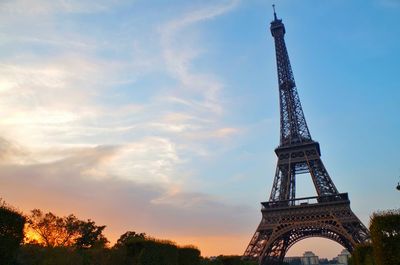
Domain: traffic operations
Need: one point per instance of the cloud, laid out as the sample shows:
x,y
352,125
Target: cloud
x,y
67,185
219,133
60,99
40,7
12,153
178,57
148,160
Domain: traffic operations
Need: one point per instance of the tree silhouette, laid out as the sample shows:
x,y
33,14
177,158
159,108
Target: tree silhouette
x,y
55,231
385,235
11,232
129,236
90,235
52,230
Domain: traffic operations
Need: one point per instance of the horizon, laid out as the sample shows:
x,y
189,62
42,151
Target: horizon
x,y
163,118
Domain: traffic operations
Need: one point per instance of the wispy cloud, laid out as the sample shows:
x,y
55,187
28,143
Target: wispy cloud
x,y
179,57
148,206
12,153
39,7
148,160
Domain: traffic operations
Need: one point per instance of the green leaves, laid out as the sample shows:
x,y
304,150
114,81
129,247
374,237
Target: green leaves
x,y
385,246
385,235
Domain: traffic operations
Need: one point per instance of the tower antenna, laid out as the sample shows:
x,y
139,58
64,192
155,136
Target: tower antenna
x,y
273,7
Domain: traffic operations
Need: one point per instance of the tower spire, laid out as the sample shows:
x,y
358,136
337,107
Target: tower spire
x,y
273,6
294,128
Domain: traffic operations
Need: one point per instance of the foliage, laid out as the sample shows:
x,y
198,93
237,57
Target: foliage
x,y
129,236
55,231
35,254
90,235
188,255
95,256
385,235
363,255
138,249
158,252
128,248
230,260
385,246
210,261
11,232
131,249
227,260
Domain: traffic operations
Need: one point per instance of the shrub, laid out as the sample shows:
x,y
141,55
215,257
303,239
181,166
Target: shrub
x,y
11,232
188,256
385,235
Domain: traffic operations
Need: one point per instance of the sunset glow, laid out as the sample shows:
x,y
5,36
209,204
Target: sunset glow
x,y
32,236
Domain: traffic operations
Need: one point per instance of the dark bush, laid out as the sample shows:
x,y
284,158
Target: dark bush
x,y
363,255
11,233
385,235
158,252
34,254
188,256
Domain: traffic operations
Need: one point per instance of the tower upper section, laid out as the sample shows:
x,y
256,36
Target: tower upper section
x,y
293,124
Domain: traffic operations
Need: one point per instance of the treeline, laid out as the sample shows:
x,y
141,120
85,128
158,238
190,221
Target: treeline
x,y
47,239
384,248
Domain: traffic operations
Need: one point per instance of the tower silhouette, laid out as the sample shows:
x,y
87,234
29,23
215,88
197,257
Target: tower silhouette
x,y
285,218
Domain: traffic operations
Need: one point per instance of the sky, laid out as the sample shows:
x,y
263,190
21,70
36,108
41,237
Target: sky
x,y
162,116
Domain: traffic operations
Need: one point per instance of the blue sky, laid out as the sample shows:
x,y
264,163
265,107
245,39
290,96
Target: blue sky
x,y
162,116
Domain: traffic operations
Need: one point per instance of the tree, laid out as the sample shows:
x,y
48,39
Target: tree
x,y
230,260
68,231
227,260
363,255
90,235
11,232
188,255
208,261
54,231
385,235
156,252
129,236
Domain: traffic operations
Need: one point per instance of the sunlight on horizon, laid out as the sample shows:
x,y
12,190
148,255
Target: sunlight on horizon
x,y
321,247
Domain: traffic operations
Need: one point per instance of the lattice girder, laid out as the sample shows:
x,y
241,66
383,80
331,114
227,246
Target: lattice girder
x,y
294,127
297,159
283,226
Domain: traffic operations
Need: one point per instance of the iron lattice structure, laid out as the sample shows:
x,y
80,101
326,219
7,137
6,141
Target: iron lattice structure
x,y
285,218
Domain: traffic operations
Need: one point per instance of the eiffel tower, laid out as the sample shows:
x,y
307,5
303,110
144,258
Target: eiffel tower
x,y
285,218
